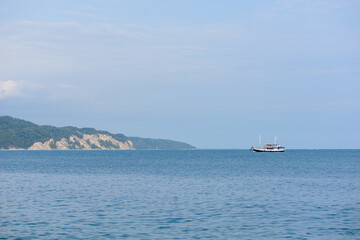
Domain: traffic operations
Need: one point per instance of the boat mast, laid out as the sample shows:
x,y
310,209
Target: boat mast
x,y
259,140
275,139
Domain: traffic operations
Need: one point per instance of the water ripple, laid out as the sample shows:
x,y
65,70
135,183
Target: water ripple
x,y
179,195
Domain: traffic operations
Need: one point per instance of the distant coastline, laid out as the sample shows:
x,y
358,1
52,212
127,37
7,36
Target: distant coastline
x,y
18,134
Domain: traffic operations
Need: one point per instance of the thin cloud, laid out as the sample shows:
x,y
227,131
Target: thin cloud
x,y
123,49
12,89
67,86
82,14
297,8
9,88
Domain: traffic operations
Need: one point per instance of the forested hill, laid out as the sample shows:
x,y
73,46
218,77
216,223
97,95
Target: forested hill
x,y
20,134
159,144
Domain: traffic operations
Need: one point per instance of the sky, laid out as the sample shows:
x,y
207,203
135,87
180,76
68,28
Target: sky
x,y
214,74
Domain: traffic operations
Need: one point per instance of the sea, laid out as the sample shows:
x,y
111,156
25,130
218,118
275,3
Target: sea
x,y
195,194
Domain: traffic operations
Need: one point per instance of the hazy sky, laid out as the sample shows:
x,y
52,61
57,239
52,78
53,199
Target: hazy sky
x,y
214,74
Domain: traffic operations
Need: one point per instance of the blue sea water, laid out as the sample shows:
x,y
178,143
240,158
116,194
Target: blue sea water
x,y
201,194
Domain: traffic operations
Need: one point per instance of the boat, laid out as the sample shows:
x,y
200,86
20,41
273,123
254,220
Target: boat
x,y
268,147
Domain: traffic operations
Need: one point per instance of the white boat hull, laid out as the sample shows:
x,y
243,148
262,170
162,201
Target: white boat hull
x,y
256,149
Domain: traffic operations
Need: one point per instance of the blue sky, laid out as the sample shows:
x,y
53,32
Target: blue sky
x,y
215,74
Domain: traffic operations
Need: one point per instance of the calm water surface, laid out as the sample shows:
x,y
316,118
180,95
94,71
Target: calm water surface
x,y
202,194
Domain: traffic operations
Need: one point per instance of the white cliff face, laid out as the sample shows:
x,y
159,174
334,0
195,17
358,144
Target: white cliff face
x,y
62,144
85,142
42,146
